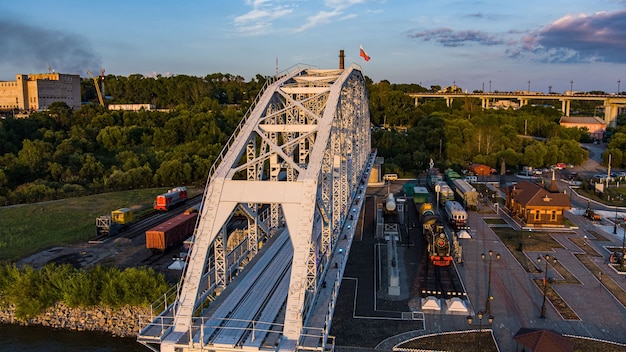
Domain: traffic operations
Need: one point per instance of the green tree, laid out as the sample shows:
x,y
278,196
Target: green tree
x,y
34,155
534,154
173,172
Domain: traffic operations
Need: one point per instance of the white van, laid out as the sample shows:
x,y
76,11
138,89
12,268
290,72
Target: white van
x,y
390,177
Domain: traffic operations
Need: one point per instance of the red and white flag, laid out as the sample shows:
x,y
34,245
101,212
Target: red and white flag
x,y
363,54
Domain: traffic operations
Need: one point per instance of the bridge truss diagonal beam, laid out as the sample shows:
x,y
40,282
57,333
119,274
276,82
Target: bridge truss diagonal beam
x,y
301,153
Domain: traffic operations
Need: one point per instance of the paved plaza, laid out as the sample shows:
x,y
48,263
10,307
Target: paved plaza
x,y
517,300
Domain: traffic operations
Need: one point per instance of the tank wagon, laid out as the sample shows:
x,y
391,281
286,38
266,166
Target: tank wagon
x,y
173,231
433,229
466,194
173,197
390,203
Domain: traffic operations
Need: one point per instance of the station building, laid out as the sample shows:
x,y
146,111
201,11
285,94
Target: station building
x,y
536,206
37,91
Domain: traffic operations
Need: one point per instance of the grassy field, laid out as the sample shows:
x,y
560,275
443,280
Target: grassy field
x,y
27,229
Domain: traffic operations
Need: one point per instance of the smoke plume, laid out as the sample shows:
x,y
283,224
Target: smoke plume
x,y
35,48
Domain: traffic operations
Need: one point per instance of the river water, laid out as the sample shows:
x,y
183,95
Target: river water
x,y
14,338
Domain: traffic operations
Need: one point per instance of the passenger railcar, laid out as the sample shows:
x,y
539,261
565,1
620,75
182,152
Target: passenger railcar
x,y
456,214
433,178
445,193
173,197
466,193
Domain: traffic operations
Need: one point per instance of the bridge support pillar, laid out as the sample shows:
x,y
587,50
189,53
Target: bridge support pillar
x,y
610,114
565,106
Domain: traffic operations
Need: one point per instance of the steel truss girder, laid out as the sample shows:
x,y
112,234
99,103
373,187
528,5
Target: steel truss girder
x,y
314,126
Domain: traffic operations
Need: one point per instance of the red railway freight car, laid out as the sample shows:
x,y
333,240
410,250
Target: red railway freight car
x,y
172,232
173,197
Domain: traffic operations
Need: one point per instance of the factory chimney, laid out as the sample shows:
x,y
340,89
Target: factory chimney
x,y
102,82
341,59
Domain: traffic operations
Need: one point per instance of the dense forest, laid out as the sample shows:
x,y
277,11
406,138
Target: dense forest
x,y
62,153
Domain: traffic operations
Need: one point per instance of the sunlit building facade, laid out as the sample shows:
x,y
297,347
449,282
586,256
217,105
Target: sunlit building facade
x,y
37,91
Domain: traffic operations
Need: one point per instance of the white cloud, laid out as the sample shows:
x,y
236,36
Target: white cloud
x,y
319,18
259,19
337,10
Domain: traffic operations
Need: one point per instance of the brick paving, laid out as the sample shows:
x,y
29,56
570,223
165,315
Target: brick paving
x,y
517,301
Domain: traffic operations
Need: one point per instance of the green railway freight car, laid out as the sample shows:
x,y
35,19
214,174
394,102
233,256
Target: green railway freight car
x,y
451,176
420,195
408,189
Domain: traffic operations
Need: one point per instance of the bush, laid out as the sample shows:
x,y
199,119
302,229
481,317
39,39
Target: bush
x,y
33,291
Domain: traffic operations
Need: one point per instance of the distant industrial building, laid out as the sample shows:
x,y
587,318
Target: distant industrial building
x,y
131,107
37,91
595,125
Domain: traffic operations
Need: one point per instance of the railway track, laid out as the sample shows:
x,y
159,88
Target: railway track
x,y
440,281
249,319
140,227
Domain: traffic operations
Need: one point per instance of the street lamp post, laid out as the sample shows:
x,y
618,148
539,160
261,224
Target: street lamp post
x,y
545,283
623,250
571,87
489,296
615,222
480,316
618,82
437,190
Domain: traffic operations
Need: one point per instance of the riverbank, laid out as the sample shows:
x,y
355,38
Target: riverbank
x,y
120,322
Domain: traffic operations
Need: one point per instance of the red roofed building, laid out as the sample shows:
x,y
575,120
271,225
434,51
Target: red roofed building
x,y
480,169
537,206
542,340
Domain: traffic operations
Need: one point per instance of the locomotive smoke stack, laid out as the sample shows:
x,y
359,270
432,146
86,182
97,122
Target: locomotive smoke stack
x,y
341,59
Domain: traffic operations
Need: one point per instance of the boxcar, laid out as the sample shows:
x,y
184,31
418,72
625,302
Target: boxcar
x,y
171,232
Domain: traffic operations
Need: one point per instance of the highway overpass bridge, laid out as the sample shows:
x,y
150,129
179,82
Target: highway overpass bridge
x,y
611,103
296,168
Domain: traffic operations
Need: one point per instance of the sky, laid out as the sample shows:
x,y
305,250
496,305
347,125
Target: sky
x,y
544,45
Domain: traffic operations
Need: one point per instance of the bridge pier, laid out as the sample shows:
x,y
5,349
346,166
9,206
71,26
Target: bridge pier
x,y
611,110
565,106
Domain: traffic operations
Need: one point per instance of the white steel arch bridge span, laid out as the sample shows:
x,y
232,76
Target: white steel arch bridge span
x,y
296,168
